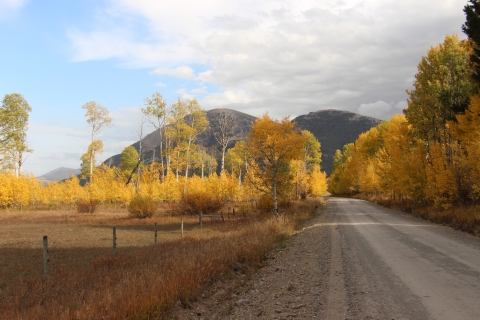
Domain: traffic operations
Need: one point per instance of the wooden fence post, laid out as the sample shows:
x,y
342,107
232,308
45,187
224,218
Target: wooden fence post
x,y
155,231
182,227
45,256
114,241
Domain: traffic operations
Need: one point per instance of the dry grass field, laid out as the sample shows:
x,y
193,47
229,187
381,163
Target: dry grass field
x,y
143,280
76,239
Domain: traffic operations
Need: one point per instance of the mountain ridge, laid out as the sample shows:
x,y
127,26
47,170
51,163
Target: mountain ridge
x,y
333,128
58,174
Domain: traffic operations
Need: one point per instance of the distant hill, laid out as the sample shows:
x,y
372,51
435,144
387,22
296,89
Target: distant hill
x,y
333,128
58,174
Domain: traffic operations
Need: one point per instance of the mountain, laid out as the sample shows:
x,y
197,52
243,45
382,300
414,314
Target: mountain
x,y
333,128
58,174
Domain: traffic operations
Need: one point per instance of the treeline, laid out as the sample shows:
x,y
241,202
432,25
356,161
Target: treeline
x,y
276,163
429,156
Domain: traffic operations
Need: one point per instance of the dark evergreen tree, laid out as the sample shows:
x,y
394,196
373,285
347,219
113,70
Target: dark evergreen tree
x,y
472,29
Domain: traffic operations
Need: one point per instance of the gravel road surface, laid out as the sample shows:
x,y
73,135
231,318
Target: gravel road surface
x,y
358,260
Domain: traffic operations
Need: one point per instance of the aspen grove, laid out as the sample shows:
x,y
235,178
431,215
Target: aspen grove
x,y
427,159
182,168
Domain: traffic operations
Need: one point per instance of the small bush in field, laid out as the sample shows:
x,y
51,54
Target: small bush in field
x,y
142,207
86,206
194,202
265,203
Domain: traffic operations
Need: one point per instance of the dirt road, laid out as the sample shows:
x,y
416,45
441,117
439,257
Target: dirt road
x,y
357,260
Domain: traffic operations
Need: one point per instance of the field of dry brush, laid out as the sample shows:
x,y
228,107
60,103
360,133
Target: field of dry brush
x,y
142,280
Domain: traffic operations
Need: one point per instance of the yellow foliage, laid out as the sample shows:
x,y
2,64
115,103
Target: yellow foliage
x,y
317,182
385,159
72,191
467,130
439,178
197,185
170,187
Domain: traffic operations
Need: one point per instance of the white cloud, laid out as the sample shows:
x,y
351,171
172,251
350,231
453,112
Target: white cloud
x,y
184,72
124,117
57,145
283,56
54,143
160,84
227,97
8,8
11,4
184,95
376,110
199,90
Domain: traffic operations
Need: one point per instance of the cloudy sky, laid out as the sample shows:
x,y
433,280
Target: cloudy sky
x,y
282,57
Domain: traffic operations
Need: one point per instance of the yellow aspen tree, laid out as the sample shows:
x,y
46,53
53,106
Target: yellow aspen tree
x,y
6,193
151,181
440,188
402,161
213,183
14,112
317,182
20,191
467,130
226,187
368,178
156,111
201,161
272,145
188,120
97,117
54,194
340,182
442,89
236,160
35,189
196,184
72,191
197,123
170,187
301,178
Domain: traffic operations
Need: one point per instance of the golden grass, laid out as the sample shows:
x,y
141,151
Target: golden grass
x,y
143,281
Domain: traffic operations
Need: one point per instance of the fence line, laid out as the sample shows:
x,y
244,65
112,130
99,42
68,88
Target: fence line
x,y
46,259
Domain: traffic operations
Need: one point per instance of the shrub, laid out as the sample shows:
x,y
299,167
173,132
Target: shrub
x,y
194,202
265,203
86,206
142,207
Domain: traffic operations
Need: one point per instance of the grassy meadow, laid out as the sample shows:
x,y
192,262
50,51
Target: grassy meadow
x,y
143,280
